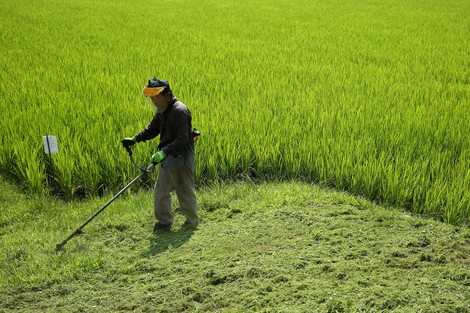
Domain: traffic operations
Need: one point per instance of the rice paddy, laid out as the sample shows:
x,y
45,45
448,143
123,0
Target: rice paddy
x,y
364,96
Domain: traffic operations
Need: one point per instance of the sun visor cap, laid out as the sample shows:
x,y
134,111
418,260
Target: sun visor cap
x,y
152,92
155,87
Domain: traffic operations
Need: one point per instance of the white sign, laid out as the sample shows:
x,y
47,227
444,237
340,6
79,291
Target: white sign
x,y
50,144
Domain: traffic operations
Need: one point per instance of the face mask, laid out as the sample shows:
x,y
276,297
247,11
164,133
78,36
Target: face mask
x,y
152,106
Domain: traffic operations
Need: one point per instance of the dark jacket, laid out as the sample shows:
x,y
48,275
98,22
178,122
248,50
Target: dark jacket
x,y
175,130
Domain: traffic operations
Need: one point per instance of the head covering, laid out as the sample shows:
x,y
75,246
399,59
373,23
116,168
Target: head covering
x,y
155,87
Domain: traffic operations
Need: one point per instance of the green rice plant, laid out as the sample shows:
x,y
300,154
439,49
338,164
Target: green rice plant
x,y
366,97
30,167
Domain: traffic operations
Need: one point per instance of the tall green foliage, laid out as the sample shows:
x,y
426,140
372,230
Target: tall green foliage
x,y
372,97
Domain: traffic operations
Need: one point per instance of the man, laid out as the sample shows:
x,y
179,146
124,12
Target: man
x,y
172,122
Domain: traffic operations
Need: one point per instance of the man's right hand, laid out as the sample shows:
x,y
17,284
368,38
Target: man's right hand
x,y
127,142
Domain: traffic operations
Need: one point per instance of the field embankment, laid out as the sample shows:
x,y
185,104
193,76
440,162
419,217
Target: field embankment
x,y
286,247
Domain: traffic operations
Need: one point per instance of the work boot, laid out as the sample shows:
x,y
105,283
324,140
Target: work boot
x,y
161,227
188,224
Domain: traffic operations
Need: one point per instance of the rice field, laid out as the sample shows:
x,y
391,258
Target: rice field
x,y
367,96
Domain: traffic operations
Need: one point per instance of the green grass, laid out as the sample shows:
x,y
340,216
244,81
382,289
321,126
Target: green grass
x,y
270,247
365,96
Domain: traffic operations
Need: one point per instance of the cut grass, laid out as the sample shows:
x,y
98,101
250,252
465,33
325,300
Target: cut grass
x,y
274,247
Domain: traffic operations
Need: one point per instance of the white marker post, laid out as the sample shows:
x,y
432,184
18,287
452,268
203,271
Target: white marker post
x,y
50,147
50,144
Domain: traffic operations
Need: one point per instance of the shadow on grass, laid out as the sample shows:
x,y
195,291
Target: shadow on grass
x,y
169,239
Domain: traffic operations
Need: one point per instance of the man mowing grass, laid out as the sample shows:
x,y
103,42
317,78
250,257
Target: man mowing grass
x,y
172,122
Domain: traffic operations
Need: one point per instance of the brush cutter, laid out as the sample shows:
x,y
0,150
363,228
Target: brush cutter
x,y
143,171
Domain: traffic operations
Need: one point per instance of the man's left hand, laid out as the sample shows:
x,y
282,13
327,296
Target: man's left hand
x,y
158,157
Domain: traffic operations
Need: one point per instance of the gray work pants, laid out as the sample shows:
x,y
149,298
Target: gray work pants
x,y
182,182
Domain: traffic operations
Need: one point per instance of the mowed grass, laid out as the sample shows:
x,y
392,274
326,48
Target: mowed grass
x,y
365,96
270,247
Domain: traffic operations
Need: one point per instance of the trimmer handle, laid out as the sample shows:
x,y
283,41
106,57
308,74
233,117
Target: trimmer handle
x,y
196,133
147,169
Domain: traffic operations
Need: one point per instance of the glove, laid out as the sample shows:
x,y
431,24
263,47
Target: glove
x,y
127,142
158,157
